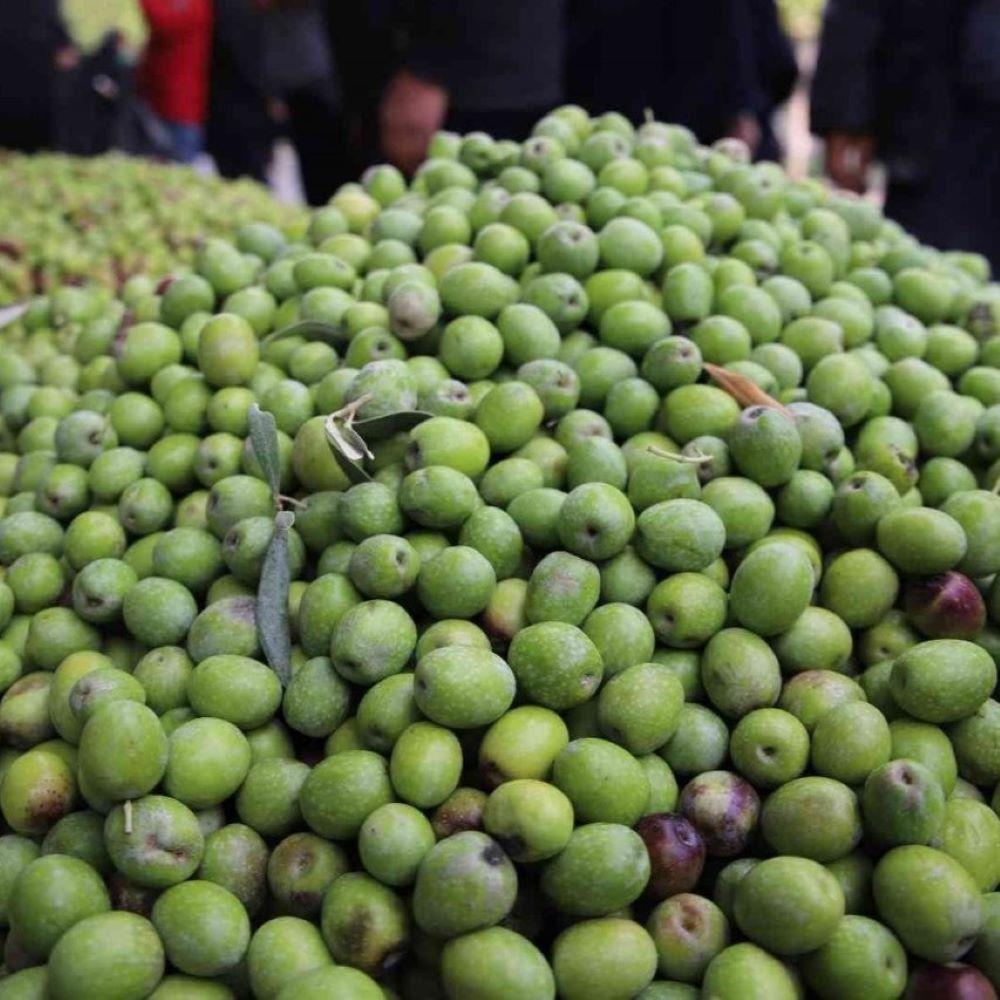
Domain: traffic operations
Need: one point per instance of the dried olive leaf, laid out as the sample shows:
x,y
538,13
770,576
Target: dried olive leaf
x,y
348,446
346,439
744,390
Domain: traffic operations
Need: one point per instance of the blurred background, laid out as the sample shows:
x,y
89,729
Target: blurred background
x,y
880,95
239,84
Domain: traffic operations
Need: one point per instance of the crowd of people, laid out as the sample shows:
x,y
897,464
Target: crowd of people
x,y
351,83
912,83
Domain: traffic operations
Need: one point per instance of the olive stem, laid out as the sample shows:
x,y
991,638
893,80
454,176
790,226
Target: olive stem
x,y
349,412
128,816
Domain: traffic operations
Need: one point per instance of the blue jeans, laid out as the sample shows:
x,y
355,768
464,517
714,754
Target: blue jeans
x,y
186,141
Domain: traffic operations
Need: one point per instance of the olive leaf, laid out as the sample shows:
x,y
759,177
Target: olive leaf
x,y
272,599
348,438
347,445
744,390
11,314
264,441
308,329
376,428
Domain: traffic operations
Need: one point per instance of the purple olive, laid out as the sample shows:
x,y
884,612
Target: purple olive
x,y
676,854
723,808
953,981
947,606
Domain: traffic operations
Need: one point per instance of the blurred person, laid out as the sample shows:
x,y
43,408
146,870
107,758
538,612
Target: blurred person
x,y
240,131
916,84
495,67
96,107
367,44
173,73
90,22
776,73
33,46
92,96
300,73
694,64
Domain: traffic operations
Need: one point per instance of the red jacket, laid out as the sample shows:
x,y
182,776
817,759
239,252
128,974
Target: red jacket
x,y
173,76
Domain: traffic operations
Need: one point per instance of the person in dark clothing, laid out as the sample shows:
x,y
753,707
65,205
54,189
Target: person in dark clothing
x,y
776,72
690,63
300,73
92,97
492,66
33,42
367,44
239,132
916,83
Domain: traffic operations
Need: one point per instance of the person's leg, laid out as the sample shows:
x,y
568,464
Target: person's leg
x,y
974,178
26,136
240,145
365,42
958,206
187,141
918,209
318,132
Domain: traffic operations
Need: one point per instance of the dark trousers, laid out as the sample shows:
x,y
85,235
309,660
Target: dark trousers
x,y
28,135
958,206
240,136
317,129
502,124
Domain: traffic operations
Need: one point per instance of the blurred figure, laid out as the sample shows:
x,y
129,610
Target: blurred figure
x,y
240,131
480,64
90,22
367,43
96,104
916,84
776,73
173,74
93,97
32,42
695,64
300,74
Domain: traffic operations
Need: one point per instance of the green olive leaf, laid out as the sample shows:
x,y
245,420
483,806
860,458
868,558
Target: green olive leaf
x,y
348,438
348,447
264,441
377,428
342,435
308,329
272,599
